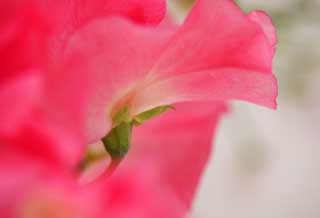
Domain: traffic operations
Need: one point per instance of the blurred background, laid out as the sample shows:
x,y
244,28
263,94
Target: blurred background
x,y
266,164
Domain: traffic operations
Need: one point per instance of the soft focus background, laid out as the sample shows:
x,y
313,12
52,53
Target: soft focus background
x,y
266,163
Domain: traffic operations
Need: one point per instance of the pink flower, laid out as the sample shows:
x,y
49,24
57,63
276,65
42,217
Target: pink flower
x,y
88,65
218,53
41,134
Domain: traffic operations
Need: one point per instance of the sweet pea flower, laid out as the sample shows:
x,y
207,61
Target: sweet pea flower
x,y
92,64
218,53
45,101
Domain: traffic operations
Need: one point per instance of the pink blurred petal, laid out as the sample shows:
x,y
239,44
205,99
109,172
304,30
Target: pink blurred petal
x,y
41,99
74,14
25,29
78,12
18,96
180,143
136,192
33,190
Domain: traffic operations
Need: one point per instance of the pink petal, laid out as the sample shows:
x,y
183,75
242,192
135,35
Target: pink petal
x,y
18,96
117,55
38,138
218,36
135,191
41,102
265,23
219,84
73,14
29,189
24,33
180,142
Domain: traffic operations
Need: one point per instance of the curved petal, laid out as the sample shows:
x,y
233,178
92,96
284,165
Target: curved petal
x,y
180,143
117,55
220,84
218,36
265,23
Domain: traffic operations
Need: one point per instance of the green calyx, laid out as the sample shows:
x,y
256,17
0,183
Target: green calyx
x,y
144,116
117,141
